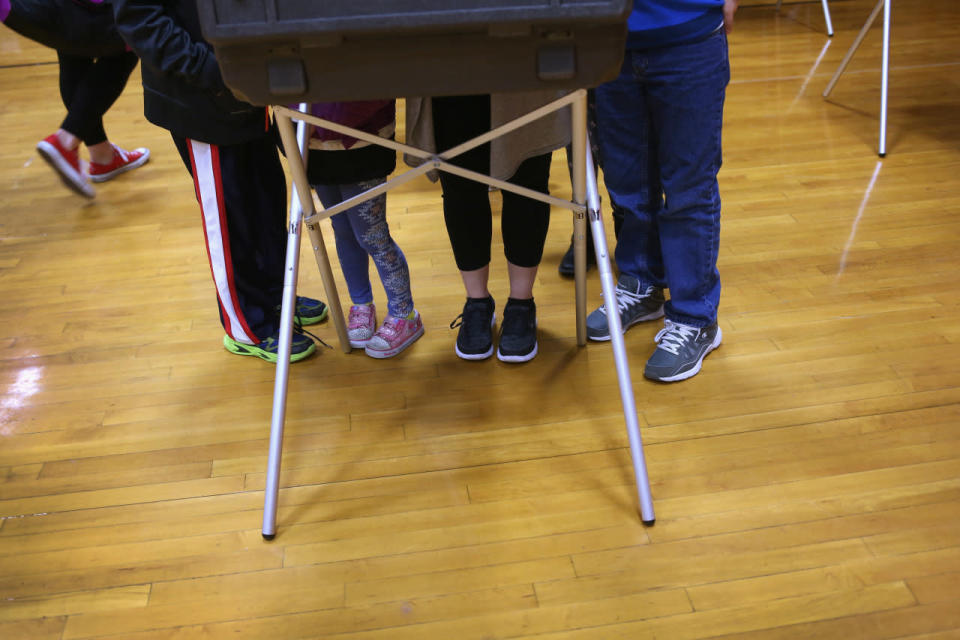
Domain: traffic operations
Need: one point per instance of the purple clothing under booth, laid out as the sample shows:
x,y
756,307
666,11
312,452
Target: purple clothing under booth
x,y
340,167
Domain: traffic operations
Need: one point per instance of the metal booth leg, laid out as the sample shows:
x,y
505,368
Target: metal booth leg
x,y
301,201
826,17
885,70
586,203
585,184
884,79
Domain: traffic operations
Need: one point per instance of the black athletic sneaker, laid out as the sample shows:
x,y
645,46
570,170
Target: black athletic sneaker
x,y
518,331
475,340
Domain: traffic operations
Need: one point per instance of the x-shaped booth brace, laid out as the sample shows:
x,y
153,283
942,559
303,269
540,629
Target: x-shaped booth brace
x,y
585,204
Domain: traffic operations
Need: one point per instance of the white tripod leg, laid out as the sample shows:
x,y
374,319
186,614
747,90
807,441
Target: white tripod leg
x,y
287,308
884,81
301,202
885,66
826,18
583,175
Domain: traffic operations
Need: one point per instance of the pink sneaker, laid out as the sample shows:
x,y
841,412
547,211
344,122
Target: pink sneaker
x,y
394,335
360,324
122,161
66,163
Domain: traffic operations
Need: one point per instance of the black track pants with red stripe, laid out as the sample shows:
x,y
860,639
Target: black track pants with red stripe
x,y
242,193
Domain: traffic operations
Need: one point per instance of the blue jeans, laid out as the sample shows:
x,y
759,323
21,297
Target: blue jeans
x,y
361,232
659,127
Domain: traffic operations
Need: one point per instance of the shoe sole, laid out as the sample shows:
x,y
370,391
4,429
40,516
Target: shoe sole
x,y
306,321
63,168
139,162
241,349
650,316
520,358
373,353
474,356
695,369
478,356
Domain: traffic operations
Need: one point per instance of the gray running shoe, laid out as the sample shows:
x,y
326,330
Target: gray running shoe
x,y
681,350
635,306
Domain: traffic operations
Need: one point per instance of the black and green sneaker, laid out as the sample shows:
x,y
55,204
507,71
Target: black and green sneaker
x,y
301,346
309,311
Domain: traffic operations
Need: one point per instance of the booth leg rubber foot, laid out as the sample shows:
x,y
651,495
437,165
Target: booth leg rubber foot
x,y
649,523
268,536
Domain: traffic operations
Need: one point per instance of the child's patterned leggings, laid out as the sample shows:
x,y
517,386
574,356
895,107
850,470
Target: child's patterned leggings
x,y
362,231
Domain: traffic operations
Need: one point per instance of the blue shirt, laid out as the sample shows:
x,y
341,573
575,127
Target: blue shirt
x,y
660,23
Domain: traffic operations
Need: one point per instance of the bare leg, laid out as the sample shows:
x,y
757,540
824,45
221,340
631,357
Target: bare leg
x,y
68,140
101,153
475,282
521,281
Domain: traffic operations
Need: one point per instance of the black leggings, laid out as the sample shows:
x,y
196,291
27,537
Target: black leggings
x,y
466,203
94,62
89,87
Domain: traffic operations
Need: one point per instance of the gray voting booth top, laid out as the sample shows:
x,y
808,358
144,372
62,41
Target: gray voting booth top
x,y
285,51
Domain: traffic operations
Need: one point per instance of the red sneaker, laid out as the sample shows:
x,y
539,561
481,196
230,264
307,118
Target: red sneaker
x,y
122,161
66,163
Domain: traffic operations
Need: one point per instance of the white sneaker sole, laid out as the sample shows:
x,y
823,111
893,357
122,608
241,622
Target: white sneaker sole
x,y
389,353
689,373
69,176
522,358
360,344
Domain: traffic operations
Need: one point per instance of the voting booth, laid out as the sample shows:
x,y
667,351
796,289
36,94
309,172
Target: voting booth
x,y
286,51
283,52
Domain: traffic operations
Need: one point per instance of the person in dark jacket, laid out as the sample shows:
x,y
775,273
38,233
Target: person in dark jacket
x,y
94,67
231,153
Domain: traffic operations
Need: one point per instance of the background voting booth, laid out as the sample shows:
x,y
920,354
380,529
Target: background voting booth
x,y
281,52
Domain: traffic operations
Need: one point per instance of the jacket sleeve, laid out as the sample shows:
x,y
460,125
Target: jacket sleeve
x,y
162,44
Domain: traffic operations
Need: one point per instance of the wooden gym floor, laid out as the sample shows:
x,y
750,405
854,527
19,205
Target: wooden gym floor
x,y
807,482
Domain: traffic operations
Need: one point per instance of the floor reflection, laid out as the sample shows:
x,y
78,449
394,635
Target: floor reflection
x,y
856,221
18,394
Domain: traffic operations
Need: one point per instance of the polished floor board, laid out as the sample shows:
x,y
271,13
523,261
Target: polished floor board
x,y
806,482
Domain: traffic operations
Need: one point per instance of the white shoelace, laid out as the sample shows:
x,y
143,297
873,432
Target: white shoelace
x,y
625,299
673,336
